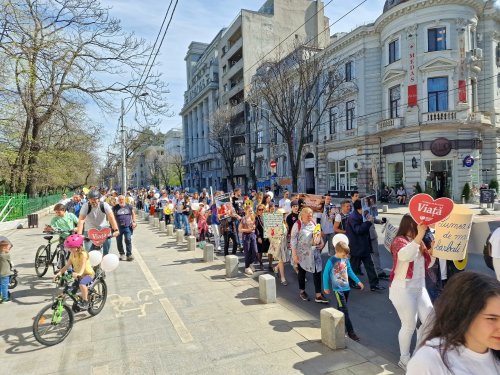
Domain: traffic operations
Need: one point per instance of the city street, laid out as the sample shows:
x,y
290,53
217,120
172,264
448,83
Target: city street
x,y
169,313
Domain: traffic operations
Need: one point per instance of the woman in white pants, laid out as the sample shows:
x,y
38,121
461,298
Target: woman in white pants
x,y
407,291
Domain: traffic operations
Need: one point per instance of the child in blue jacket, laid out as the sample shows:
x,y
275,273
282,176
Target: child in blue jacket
x,y
336,274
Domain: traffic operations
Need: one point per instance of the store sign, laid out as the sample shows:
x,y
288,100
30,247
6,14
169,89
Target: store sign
x,y
441,147
468,161
412,95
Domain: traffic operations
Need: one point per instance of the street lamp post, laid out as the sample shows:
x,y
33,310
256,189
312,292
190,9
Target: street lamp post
x,y
124,153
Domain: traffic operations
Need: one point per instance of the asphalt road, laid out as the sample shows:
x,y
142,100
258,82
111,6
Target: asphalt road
x,y
374,318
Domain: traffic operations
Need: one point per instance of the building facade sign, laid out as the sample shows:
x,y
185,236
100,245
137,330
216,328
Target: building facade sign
x,y
441,147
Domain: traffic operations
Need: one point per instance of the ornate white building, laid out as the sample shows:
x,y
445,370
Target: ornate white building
x,y
426,104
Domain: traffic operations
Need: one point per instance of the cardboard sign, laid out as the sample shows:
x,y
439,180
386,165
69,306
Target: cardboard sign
x,y
273,225
98,237
425,210
390,233
314,202
452,234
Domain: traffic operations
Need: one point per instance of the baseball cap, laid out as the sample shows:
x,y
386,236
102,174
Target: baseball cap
x,y
4,239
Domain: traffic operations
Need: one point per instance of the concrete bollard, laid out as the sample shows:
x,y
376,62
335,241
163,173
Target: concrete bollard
x,y
208,253
170,230
179,236
332,328
156,222
162,226
231,266
496,206
191,245
146,217
385,208
267,288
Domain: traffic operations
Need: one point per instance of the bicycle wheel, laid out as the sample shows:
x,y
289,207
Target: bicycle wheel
x,y
60,258
42,260
49,328
97,297
12,282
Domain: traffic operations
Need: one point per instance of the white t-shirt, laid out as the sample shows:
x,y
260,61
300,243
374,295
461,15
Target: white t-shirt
x,y
96,218
462,361
495,243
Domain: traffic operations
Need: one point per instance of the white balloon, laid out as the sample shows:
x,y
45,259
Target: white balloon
x,y
95,257
157,195
271,194
171,206
195,206
340,238
110,262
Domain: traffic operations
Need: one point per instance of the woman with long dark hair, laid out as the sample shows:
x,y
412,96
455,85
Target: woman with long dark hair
x,y
464,336
407,291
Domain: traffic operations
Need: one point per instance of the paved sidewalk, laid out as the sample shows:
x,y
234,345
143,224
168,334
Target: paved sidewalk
x,y
170,313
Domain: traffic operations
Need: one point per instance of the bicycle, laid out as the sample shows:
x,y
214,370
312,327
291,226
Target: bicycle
x,y
13,278
54,322
45,257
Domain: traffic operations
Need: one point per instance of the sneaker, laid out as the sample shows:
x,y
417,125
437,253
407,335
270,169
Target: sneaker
x,y
383,275
122,257
252,267
6,300
84,305
402,365
353,336
304,296
377,287
130,258
248,271
321,299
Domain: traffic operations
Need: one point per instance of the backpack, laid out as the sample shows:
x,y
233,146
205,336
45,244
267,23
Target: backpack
x,y
487,254
101,206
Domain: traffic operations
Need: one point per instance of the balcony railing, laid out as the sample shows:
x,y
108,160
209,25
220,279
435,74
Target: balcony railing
x,y
390,123
436,117
480,117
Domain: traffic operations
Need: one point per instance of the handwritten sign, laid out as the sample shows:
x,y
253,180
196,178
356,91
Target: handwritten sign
x,y
98,237
424,209
390,233
273,225
452,234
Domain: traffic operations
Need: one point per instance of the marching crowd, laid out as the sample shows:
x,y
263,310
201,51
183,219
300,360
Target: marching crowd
x,y
460,323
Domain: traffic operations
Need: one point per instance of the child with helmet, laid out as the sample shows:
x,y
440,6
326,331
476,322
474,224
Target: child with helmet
x,y
80,262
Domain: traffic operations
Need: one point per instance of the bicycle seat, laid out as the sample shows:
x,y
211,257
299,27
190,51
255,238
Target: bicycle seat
x,y
48,238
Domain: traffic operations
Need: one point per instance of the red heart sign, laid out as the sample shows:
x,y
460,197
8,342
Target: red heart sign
x,y
98,237
424,209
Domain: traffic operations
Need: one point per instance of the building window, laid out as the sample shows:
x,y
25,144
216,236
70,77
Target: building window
x,y
225,87
274,136
333,120
348,71
394,51
333,80
259,138
437,93
349,111
309,132
395,174
436,39
224,68
341,177
394,98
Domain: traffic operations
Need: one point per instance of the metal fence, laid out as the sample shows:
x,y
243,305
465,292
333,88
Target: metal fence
x,y
17,206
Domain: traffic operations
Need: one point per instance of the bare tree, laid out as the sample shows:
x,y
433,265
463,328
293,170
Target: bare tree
x,y
298,89
63,52
223,138
176,163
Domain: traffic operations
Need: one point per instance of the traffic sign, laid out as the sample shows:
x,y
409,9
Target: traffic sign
x,y
273,164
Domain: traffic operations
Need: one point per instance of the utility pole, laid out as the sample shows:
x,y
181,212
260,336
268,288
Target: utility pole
x,y
124,154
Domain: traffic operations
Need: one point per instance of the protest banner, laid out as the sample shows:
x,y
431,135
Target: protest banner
x,y
314,202
273,225
425,210
389,235
452,234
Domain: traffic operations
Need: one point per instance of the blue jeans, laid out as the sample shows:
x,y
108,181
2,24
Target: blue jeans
x,y
177,220
4,287
185,224
127,233
249,248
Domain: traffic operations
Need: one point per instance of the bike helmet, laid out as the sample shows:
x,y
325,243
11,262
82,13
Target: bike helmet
x,y
74,240
93,194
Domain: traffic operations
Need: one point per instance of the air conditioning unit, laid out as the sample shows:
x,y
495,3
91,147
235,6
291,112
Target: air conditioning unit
x,y
354,164
477,53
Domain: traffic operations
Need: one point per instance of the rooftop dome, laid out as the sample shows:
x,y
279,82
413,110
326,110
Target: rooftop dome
x,y
389,4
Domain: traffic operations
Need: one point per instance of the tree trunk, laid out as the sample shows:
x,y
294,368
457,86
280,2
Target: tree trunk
x,y
33,159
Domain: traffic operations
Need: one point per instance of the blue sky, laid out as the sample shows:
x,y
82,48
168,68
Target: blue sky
x,y
200,20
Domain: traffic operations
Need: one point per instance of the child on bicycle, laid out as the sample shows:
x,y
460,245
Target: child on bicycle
x,y
80,262
5,268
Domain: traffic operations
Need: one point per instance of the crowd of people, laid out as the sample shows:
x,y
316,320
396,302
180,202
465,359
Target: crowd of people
x,y
460,323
